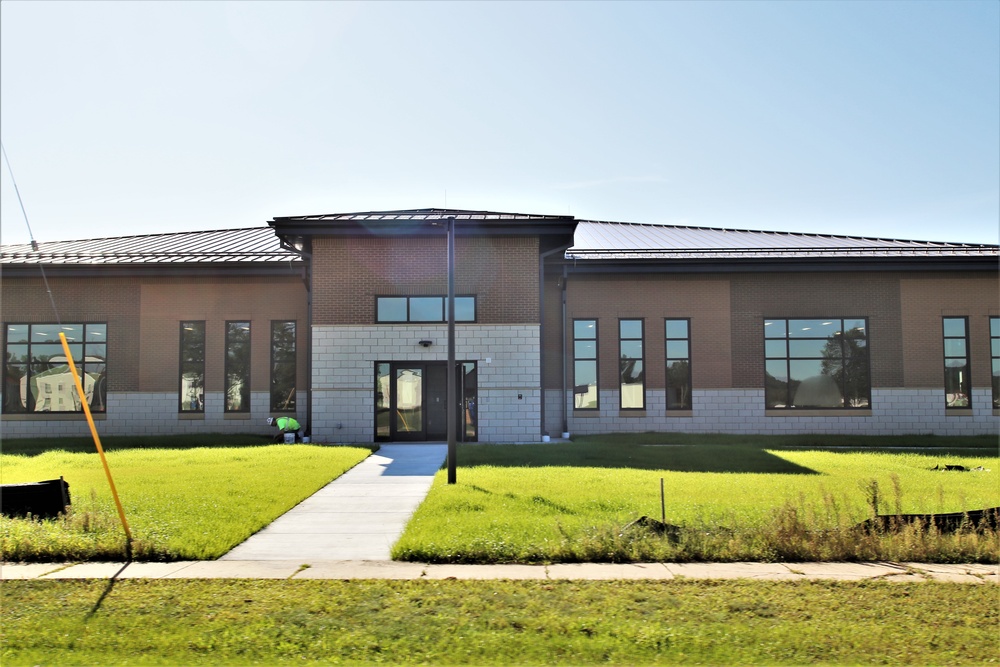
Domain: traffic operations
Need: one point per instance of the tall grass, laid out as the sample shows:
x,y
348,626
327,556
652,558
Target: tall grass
x,y
180,503
806,506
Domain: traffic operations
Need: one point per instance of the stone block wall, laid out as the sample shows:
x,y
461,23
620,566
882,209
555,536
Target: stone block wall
x,y
507,358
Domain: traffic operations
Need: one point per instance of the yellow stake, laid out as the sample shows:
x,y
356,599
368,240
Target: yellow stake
x,y
97,441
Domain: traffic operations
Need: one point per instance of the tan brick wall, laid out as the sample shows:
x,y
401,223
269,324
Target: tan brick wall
x,y
926,299
809,295
348,273
111,300
168,301
144,315
705,300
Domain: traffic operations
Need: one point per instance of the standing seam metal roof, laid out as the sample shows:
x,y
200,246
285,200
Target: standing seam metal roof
x,y
593,240
618,240
253,244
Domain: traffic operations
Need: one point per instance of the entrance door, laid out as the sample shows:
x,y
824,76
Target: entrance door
x,y
411,401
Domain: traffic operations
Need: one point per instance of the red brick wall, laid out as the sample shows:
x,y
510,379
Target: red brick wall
x,y
144,315
348,273
608,297
758,296
926,299
111,300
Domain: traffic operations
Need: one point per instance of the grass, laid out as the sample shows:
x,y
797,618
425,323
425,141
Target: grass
x,y
194,503
150,622
571,502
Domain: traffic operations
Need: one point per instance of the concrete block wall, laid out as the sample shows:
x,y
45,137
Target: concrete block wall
x,y
507,359
894,412
151,413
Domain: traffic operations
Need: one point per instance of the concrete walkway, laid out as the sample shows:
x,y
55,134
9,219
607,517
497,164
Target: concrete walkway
x,y
358,516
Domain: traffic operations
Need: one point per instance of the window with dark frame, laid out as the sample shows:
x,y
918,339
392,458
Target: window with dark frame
x,y
678,356
237,386
36,372
816,363
192,367
422,309
957,384
283,366
995,360
585,392
632,374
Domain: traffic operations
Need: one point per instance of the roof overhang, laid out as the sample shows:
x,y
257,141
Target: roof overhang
x,y
783,265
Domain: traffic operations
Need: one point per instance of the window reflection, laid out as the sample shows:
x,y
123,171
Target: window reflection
x,y
820,363
192,371
678,349
37,376
585,395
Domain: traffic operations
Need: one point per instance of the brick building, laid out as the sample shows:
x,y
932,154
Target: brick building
x,y
561,326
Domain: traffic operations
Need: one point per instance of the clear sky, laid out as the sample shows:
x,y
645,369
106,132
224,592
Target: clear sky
x,y
860,118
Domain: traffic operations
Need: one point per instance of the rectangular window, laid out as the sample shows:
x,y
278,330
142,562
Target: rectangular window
x,y
423,309
585,395
995,358
678,348
631,372
36,372
957,385
192,371
815,364
237,367
283,366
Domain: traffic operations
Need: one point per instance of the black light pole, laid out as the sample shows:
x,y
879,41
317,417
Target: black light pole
x,y
452,398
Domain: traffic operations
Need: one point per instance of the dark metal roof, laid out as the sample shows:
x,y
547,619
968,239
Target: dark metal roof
x,y
424,215
632,241
251,245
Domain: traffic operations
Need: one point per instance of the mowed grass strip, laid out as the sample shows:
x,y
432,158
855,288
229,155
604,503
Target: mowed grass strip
x,y
191,622
180,503
570,502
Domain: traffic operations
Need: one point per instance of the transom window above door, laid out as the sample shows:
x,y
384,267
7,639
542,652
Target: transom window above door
x,y
422,309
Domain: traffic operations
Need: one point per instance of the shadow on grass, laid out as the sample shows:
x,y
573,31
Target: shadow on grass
x,y
85,444
677,458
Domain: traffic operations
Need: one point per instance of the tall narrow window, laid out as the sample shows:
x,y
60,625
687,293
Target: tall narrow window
x,y
36,372
237,367
283,366
632,373
585,395
821,363
995,357
192,380
957,387
678,348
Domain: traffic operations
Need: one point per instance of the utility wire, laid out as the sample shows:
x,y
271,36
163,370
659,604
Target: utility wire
x,y
31,235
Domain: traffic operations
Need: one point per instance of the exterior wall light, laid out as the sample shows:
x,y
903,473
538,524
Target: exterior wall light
x,y
426,343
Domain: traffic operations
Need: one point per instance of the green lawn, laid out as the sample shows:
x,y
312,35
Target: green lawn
x,y
569,502
218,622
194,503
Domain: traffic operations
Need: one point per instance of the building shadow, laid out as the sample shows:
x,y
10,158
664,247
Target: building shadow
x,y
675,458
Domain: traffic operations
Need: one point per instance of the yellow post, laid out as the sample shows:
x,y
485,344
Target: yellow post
x,y
97,441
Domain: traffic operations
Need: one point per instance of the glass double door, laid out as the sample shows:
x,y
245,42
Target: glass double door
x,y
411,400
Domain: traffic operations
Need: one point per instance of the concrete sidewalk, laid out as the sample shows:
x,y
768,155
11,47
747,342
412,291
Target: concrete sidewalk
x,y
369,569
358,516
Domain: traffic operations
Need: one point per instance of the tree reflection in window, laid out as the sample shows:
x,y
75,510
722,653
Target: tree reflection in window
x,y
816,364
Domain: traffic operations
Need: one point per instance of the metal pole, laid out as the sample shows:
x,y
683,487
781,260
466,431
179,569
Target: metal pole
x,y
452,399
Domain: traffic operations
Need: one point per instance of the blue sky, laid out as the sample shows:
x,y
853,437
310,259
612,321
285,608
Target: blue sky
x,y
860,118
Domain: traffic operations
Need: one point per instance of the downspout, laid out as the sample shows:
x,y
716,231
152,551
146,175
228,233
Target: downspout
x,y
305,252
541,338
